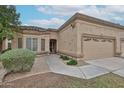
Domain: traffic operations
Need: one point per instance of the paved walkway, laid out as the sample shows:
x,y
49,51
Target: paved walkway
x,y
39,67
94,68
86,72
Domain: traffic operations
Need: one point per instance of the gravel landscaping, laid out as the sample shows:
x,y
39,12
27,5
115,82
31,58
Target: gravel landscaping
x,y
52,80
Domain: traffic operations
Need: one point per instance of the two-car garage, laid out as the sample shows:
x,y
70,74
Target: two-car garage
x,y
96,47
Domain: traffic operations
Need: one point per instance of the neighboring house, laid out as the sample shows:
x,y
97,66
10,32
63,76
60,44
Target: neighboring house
x,y
81,36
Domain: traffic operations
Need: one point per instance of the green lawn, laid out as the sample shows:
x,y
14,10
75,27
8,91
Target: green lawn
x,y
53,80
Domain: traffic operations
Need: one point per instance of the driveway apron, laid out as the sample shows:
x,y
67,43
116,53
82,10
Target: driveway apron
x,y
112,64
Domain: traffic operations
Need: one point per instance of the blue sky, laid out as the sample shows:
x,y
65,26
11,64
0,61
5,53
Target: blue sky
x,y
54,16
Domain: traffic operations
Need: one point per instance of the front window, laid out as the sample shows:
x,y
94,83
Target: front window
x,y
28,43
31,43
34,42
19,42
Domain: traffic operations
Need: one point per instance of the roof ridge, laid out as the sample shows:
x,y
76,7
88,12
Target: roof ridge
x,y
92,19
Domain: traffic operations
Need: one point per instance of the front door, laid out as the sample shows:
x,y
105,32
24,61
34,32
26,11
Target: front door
x,y
52,46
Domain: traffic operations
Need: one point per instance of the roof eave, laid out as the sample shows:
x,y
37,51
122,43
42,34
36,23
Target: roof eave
x,y
90,19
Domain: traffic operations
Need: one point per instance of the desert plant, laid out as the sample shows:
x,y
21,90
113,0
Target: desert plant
x,y
72,62
61,56
64,57
18,60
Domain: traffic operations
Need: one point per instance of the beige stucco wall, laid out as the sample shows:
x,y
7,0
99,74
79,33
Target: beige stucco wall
x,y
33,34
67,40
70,39
15,40
4,45
95,29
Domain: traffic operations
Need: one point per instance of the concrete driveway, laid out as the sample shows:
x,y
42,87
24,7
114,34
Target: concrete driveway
x,y
86,72
114,64
111,64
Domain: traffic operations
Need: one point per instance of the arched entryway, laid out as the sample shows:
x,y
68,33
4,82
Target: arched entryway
x,y
53,45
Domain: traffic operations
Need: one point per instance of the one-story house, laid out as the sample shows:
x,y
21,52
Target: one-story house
x,y
82,37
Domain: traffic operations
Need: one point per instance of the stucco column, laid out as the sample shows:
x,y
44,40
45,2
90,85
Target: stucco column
x,y
118,50
4,44
78,40
47,40
118,44
24,42
39,45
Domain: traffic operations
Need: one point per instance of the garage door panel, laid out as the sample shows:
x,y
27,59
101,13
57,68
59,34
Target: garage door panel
x,y
98,49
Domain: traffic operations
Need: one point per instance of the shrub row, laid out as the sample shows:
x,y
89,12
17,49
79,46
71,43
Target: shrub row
x,y
64,57
70,62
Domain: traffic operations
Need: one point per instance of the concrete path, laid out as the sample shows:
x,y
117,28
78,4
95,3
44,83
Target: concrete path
x,y
91,71
57,66
86,72
40,66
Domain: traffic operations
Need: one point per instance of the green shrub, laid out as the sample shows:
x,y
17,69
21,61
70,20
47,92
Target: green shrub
x,y
72,62
64,57
18,60
61,56
3,51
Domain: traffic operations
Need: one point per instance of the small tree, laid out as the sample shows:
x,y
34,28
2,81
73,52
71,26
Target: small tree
x,y
9,22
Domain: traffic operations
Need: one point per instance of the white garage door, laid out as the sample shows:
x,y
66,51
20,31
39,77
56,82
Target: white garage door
x,y
96,48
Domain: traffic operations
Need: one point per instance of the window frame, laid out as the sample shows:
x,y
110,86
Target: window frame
x,y
21,43
31,43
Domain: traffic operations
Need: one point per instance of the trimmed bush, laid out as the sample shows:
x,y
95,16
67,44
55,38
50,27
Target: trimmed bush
x,y
18,60
61,56
3,51
72,62
64,57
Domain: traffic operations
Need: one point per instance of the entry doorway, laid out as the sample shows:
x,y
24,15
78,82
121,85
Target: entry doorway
x,y
53,43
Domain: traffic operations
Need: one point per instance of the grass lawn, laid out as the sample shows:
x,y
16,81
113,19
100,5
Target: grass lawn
x,y
56,80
